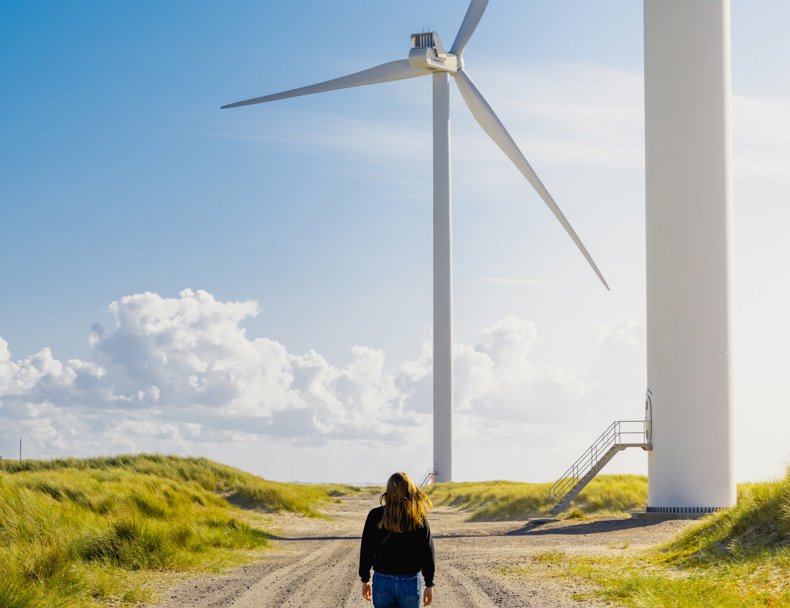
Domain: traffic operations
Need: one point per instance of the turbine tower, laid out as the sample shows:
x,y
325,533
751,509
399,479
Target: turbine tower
x,y
688,211
428,57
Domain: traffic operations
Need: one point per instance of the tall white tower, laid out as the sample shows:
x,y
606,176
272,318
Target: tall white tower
x,y
442,284
689,202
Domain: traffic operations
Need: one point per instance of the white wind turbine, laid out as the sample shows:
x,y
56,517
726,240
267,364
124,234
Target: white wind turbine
x,y
429,57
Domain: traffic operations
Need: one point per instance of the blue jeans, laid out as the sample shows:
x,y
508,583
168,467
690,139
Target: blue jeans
x,y
397,591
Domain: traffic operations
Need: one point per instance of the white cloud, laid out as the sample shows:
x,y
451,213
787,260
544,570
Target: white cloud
x,y
176,373
180,375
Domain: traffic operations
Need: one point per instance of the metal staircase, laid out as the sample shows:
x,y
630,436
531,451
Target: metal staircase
x,y
429,479
620,435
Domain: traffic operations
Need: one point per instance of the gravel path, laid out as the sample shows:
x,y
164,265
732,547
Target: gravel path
x,y
314,562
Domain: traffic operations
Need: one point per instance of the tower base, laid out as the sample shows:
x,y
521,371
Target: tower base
x,y
673,513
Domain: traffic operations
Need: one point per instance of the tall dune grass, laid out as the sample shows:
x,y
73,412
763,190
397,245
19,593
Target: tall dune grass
x,y
237,486
89,532
737,558
607,495
760,521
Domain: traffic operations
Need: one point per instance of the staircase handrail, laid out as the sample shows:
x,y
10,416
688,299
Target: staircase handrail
x,y
569,477
611,437
429,479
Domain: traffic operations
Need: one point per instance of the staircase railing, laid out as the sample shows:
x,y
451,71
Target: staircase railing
x,y
429,479
621,433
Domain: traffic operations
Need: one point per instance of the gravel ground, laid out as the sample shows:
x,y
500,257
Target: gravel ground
x,y
314,562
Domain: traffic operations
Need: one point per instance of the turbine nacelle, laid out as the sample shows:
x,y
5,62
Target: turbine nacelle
x,y
428,53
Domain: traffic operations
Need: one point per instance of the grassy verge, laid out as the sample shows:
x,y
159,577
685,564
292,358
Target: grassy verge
x,y
607,495
736,558
97,532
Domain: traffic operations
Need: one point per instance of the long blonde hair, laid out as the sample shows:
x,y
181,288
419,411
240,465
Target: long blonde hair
x,y
405,505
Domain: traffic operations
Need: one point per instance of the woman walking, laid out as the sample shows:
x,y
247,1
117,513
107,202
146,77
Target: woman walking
x,y
397,544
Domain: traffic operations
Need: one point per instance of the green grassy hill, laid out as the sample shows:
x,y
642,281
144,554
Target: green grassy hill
x,y
759,523
607,495
90,532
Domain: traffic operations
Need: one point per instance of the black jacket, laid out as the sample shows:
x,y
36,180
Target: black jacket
x,y
395,553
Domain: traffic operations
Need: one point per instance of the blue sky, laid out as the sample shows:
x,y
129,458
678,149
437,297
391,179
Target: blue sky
x,y
119,175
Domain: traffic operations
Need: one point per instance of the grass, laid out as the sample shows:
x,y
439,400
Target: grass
x,y
759,522
239,487
607,495
92,532
739,557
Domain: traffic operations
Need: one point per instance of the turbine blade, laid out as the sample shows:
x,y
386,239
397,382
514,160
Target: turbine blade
x,y
386,72
468,25
496,131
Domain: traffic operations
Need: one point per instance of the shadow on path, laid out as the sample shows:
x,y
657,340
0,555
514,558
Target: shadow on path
x,y
528,529
590,527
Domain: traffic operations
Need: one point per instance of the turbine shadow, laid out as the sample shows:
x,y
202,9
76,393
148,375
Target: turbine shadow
x,y
529,529
590,527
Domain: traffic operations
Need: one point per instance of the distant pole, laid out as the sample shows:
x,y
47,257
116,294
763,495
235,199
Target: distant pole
x,y
20,448
688,213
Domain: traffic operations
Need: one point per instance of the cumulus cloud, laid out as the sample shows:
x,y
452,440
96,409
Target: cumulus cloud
x,y
497,378
181,372
185,368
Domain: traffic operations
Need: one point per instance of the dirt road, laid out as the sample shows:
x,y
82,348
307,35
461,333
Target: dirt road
x,y
314,564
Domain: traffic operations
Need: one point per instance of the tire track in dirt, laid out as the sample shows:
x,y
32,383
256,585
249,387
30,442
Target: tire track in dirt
x,y
458,589
328,571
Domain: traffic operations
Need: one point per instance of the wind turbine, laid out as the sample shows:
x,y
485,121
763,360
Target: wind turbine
x,y
429,57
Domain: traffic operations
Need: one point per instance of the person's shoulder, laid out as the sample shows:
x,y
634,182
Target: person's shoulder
x,y
376,513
